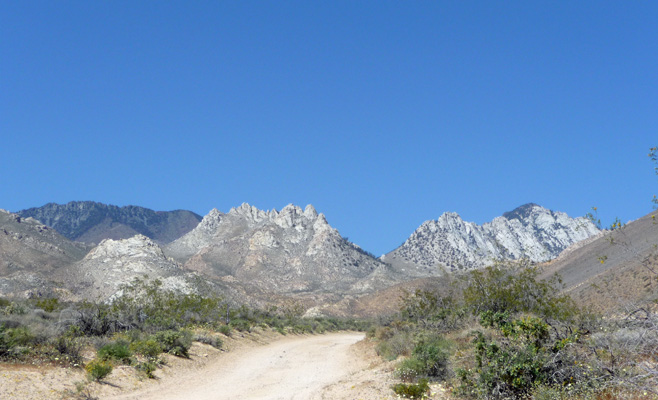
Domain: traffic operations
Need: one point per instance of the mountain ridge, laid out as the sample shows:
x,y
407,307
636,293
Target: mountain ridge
x,y
450,243
90,221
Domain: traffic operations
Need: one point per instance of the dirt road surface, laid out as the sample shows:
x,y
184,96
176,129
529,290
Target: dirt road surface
x,y
260,365
292,368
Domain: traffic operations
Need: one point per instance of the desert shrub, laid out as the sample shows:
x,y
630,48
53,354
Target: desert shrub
x,y
212,340
98,319
225,330
517,355
69,346
429,358
148,368
173,342
98,369
412,391
240,325
116,351
399,344
147,306
149,348
429,309
14,342
14,308
49,304
515,287
410,369
433,353
370,334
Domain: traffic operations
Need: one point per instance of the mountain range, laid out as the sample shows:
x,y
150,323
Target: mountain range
x,y
252,255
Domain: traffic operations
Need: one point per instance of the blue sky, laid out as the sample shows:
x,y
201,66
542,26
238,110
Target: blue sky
x,y
382,114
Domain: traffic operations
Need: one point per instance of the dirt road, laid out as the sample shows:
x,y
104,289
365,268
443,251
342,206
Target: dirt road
x,y
291,368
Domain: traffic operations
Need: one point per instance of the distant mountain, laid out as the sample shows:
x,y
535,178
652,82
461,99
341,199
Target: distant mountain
x,y
292,252
449,243
91,222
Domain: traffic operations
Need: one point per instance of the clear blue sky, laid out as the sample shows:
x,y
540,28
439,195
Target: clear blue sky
x,y
382,114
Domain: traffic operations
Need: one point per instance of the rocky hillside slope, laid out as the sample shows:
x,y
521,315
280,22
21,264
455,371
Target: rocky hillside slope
x,y
91,222
292,251
114,263
30,253
615,268
450,243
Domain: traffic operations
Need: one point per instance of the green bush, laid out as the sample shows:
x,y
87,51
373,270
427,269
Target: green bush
x,y
48,304
433,353
240,325
98,369
412,391
14,309
518,355
516,287
149,348
225,330
173,342
70,347
148,368
15,342
116,351
410,369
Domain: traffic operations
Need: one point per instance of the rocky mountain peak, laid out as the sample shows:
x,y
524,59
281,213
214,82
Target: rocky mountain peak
x,y
210,222
524,212
136,247
310,212
249,212
292,250
450,242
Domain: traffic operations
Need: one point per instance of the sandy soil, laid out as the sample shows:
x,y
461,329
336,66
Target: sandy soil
x,y
265,365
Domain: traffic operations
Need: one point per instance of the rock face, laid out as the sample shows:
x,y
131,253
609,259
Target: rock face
x,y
281,252
113,263
91,222
450,243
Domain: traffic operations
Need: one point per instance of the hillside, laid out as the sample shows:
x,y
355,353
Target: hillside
x,y
91,222
30,253
614,268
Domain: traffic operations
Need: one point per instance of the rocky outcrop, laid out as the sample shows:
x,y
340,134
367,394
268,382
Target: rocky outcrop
x,y
114,263
288,251
450,243
91,222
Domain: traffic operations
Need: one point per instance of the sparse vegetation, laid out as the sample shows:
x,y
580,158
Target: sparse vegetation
x,y
98,369
501,332
412,391
138,327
